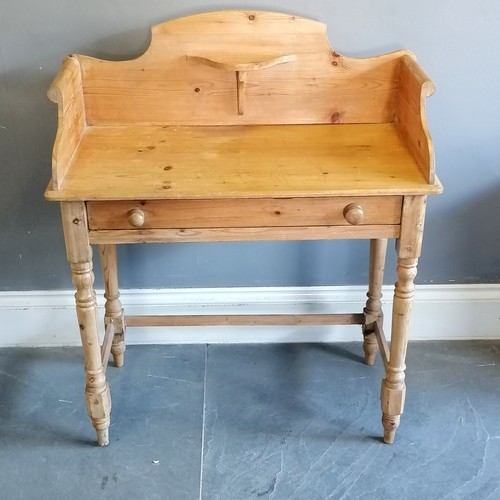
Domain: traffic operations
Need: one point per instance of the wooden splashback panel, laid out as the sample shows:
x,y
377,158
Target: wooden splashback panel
x,y
169,85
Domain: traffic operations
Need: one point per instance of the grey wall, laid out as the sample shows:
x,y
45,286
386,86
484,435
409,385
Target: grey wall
x,y
457,42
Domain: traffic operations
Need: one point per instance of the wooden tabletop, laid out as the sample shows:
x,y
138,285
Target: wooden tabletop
x,y
252,161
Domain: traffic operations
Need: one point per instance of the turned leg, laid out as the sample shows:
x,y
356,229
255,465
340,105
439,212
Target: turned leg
x,y
79,251
113,307
373,309
393,386
408,249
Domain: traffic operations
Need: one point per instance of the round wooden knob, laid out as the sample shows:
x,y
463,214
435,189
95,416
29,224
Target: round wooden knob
x,y
136,217
353,214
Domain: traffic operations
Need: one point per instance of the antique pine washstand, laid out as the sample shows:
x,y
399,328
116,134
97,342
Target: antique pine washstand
x,y
241,126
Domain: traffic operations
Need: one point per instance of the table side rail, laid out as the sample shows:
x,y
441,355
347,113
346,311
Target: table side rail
x,y
194,235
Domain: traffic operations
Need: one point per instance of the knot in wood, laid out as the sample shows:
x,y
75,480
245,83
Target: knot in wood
x,y
336,116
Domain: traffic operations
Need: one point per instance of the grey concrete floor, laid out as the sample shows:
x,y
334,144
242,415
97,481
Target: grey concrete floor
x,y
294,421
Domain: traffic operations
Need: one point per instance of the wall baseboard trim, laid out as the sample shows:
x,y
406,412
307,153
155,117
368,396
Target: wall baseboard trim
x,y
453,312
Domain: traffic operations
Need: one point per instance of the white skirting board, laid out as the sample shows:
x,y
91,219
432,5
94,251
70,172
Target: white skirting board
x,y
47,318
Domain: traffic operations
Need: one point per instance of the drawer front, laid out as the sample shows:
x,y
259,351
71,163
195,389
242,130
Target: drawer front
x,y
271,212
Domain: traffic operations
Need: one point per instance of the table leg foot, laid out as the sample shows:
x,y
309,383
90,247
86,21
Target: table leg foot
x,y
392,398
390,423
118,352
102,437
370,348
98,403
